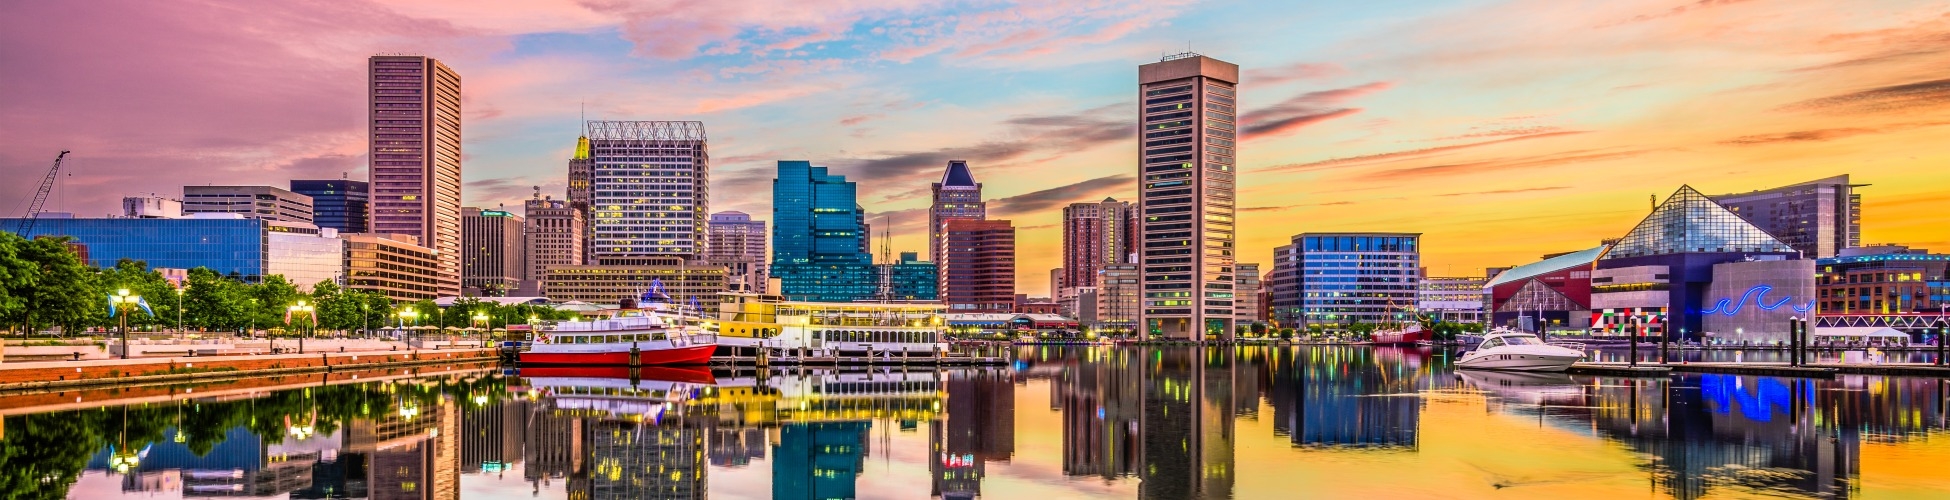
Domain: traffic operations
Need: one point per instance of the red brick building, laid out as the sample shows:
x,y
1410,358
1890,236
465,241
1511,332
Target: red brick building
x,y
978,265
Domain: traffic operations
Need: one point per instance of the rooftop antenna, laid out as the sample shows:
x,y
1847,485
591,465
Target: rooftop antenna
x,y
886,291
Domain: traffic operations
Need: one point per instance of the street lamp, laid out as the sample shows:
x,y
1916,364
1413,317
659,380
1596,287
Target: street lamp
x,y
482,319
179,308
307,310
408,314
122,300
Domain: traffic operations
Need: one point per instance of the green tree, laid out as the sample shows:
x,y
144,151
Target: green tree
x,y
273,296
65,291
17,277
215,302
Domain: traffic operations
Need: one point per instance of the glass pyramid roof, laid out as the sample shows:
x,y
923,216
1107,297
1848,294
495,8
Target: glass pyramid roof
x,y
1689,222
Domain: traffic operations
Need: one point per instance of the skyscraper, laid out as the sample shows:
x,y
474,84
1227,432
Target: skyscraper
x,y
252,202
1185,194
337,203
414,127
649,189
957,196
1093,237
554,238
817,236
978,265
1819,217
491,252
581,170
738,243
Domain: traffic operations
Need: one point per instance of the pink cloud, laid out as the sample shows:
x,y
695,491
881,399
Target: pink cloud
x,y
1303,110
136,88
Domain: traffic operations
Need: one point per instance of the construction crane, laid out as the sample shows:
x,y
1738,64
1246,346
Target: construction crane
x,y
40,198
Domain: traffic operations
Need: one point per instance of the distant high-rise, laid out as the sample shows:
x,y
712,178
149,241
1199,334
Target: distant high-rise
x,y
649,189
252,202
817,236
1094,236
415,156
1818,218
582,170
1186,190
554,239
1246,307
978,265
738,243
337,203
957,196
491,252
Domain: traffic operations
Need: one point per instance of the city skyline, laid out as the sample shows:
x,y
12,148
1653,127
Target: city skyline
x,y
1554,123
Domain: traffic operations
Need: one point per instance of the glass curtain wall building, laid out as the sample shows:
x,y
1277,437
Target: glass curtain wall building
x,y
1186,195
1357,278
337,203
248,249
817,236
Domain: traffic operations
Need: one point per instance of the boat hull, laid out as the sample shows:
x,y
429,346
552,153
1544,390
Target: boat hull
x,y
1401,337
687,355
1520,362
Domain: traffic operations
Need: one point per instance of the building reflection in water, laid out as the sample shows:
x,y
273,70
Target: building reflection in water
x,y
1167,417
1351,397
1164,415
1705,434
614,438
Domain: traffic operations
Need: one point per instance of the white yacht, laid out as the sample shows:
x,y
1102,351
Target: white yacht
x,y
1519,351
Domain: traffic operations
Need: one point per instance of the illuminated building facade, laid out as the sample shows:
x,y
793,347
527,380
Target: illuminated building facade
x,y
1186,168
415,139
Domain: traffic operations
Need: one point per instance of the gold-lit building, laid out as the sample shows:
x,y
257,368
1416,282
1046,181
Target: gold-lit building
x,y
394,265
614,278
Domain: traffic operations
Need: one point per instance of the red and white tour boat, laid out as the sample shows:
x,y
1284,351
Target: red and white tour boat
x,y
657,338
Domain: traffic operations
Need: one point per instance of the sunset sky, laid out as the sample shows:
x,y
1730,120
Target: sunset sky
x,y
1501,130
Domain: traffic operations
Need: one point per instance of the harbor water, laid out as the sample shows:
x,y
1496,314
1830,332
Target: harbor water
x,y
1166,422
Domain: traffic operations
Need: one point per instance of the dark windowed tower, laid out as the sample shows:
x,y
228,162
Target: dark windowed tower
x,y
1185,195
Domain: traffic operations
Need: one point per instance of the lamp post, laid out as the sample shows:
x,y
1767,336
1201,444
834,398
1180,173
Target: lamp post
x,y
305,309
253,315
179,308
482,319
123,301
408,314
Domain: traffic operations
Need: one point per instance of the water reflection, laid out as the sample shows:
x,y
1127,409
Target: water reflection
x,y
1151,422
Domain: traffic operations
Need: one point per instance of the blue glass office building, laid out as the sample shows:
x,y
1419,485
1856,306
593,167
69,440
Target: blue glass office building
x,y
247,248
1347,278
817,236
336,203
911,278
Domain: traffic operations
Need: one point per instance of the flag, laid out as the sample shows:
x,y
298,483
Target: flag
x,y
145,306
111,306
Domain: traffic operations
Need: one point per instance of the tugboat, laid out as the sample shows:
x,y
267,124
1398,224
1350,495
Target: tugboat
x,y
648,335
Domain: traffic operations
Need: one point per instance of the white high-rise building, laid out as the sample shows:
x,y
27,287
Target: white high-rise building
x,y
650,189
